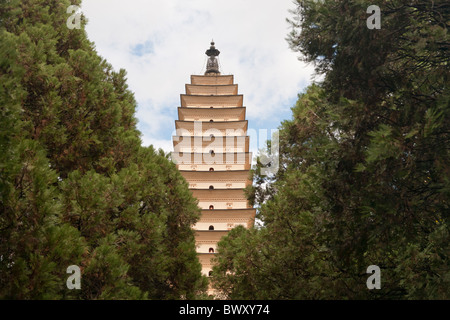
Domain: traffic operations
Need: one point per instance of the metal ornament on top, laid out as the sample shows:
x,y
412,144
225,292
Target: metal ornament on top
x,y
212,66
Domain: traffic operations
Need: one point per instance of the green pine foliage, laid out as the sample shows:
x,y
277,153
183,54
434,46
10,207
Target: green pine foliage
x,y
364,173
77,187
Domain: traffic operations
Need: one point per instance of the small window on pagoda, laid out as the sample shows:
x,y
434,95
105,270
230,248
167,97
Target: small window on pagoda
x,y
211,187
211,250
211,169
211,152
210,274
211,228
211,207
211,120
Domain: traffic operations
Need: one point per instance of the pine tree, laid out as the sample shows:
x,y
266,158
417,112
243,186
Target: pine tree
x,y
364,163
36,247
77,187
390,189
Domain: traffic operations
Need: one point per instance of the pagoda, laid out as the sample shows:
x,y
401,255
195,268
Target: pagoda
x,y
211,150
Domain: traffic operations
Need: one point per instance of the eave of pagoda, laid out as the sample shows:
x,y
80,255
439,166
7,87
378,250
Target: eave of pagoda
x,y
200,101
221,224
218,144
218,179
225,216
231,212
216,128
208,90
205,114
212,80
220,161
206,176
209,236
229,195
205,260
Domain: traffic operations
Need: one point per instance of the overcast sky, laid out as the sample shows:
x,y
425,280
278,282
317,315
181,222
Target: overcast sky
x,y
162,42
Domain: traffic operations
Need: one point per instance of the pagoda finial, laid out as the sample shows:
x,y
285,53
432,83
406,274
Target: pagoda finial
x,y
212,67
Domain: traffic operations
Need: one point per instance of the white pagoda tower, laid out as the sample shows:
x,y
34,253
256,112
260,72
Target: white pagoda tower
x,y
211,149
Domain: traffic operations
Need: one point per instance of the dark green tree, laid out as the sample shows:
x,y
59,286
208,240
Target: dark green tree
x,y
365,157
77,187
390,189
36,247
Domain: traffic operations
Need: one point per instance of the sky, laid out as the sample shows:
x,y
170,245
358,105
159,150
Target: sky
x,y
160,43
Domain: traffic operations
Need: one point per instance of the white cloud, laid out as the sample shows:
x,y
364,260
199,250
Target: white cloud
x,y
161,43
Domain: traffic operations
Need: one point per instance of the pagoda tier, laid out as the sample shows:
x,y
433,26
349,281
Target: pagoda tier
x,y
206,144
212,80
225,219
209,90
207,162
230,195
205,114
221,198
211,150
220,179
208,128
203,101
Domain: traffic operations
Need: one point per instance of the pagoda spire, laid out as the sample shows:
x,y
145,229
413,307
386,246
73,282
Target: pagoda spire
x,y
212,66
